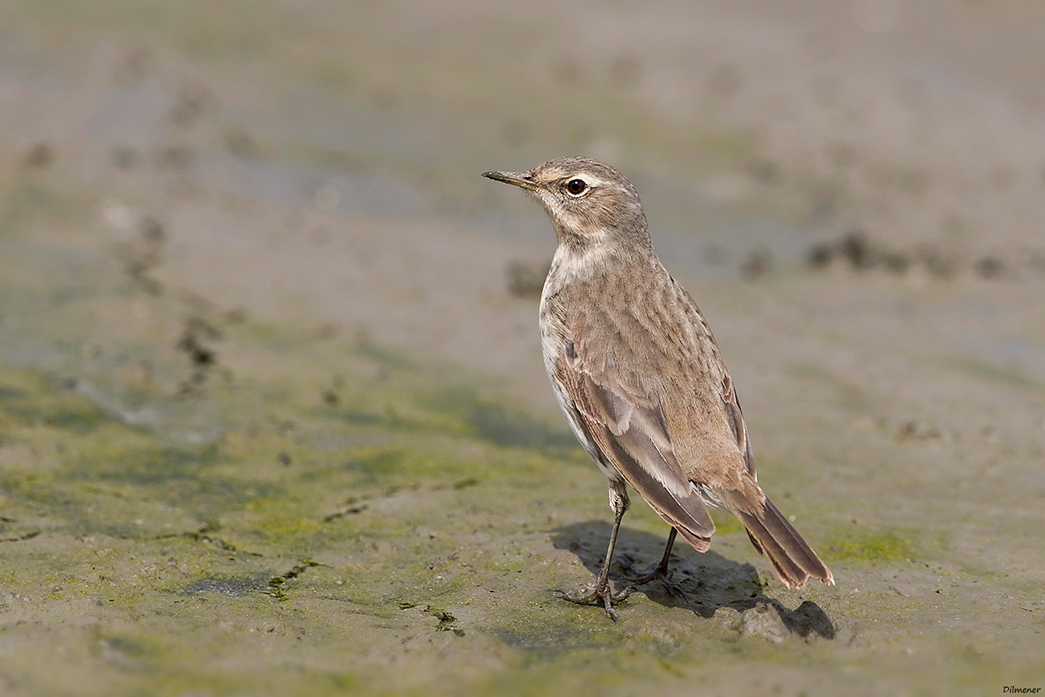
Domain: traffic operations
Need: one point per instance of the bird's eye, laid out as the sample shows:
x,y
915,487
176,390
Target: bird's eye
x,y
576,187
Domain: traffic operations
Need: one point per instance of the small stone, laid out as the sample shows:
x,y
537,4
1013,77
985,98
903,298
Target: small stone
x,y
896,262
857,249
820,255
936,263
808,619
758,263
151,229
190,102
728,617
125,157
39,156
241,143
989,267
764,170
175,157
764,621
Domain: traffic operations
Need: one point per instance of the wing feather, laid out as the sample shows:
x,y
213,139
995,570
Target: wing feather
x,y
735,419
634,439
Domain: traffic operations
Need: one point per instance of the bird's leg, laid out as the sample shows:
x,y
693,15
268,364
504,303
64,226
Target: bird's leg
x,y
603,593
660,573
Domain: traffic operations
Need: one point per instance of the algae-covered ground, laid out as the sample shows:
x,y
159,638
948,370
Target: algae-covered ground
x,y
273,417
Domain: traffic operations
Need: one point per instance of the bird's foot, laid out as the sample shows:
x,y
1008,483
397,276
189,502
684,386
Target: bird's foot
x,y
602,595
660,573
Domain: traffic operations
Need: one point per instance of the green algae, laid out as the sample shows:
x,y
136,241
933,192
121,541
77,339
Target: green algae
x,y
860,545
28,401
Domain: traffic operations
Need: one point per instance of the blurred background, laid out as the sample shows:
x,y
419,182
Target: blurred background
x,y
246,254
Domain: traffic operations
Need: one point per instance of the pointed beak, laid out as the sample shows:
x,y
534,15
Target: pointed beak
x,y
514,178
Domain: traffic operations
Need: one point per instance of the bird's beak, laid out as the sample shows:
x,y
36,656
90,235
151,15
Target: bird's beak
x,y
514,178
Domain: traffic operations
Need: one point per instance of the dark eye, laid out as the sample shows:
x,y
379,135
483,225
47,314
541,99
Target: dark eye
x,y
576,187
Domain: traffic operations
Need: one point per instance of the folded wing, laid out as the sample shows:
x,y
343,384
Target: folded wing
x,y
632,435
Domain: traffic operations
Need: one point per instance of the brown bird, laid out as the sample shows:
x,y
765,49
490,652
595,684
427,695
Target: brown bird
x,y
640,378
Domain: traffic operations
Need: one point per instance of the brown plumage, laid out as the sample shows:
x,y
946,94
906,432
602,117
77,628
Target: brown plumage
x,y
640,378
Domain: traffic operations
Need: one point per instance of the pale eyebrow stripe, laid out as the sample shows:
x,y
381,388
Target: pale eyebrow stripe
x,y
592,180
588,177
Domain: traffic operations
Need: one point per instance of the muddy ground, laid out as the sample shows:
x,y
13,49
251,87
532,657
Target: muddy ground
x,y
272,411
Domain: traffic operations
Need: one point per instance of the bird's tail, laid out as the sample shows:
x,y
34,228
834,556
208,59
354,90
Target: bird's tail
x,y
792,559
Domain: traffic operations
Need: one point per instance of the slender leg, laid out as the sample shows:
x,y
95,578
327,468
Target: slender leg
x,y
660,573
603,593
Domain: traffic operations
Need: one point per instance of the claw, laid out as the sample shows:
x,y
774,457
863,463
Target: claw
x,y
602,594
658,573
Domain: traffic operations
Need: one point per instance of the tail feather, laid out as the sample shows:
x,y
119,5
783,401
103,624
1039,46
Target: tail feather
x,y
792,559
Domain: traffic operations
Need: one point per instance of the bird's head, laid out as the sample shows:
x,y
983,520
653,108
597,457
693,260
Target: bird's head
x,y
589,203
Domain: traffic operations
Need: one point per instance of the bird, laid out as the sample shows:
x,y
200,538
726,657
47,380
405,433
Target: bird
x,y
641,380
